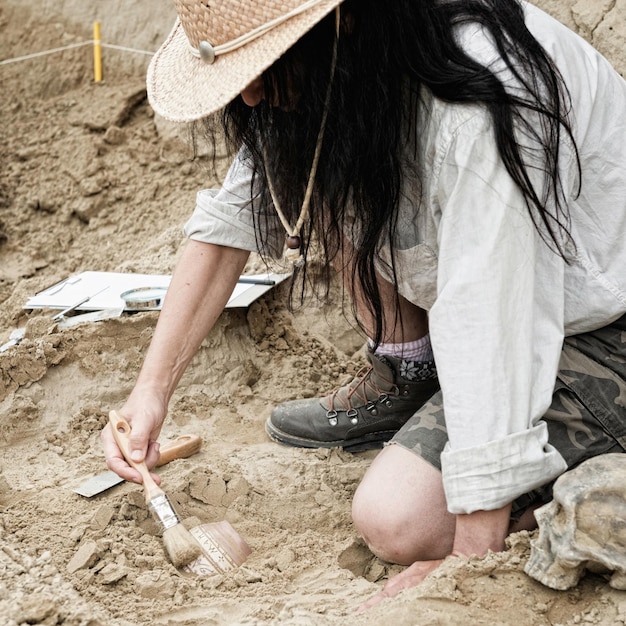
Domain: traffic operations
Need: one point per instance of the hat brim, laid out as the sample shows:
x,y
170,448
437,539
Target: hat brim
x,y
183,88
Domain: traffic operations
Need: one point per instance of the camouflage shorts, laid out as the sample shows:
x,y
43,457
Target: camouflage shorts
x,y
587,416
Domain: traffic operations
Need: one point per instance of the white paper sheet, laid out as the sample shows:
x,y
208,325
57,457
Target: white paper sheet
x,y
95,291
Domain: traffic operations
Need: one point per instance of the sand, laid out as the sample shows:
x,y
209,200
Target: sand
x,y
89,180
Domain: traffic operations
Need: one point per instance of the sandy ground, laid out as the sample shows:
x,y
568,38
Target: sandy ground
x,y
88,183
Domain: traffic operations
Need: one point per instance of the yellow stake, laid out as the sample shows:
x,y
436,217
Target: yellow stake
x,y
97,53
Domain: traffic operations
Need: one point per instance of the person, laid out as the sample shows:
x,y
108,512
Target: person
x,y
462,165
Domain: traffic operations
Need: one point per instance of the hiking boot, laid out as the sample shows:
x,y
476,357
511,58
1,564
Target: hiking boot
x,y
364,413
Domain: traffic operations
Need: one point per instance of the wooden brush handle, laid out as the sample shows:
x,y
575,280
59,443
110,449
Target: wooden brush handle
x,y
121,432
179,448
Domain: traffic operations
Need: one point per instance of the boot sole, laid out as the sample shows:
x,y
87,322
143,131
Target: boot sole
x,y
372,441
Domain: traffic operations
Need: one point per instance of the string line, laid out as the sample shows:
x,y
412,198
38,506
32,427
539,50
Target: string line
x,y
69,47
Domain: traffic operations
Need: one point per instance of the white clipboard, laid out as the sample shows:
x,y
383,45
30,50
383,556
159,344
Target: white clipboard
x,y
97,291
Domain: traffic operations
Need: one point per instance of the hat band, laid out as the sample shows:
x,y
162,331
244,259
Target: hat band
x,y
208,52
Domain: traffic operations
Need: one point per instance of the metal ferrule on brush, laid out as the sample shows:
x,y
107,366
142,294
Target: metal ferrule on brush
x,y
163,511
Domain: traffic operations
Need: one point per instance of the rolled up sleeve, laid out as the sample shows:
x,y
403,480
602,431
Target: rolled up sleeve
x,y
225,216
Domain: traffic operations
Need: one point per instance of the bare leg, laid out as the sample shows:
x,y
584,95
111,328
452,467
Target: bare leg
x,y
414,319
400,509
400,506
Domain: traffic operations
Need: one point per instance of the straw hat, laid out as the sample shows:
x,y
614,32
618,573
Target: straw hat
x,y
218,47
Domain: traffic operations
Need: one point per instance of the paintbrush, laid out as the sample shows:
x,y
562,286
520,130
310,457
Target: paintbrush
x,y
179,543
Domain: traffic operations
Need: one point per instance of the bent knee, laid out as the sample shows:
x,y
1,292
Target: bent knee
x,y
398,535
385,540
400,509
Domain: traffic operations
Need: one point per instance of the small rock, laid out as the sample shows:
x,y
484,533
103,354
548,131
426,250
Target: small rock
x,y
284,559
85,557
376,571
355,558
102,517
114,136
90,187
155,584
35,609
111,573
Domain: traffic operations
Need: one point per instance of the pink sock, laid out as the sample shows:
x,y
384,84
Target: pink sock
x,y
418,350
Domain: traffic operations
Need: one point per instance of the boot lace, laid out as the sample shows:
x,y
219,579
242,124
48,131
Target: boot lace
x,y
364,390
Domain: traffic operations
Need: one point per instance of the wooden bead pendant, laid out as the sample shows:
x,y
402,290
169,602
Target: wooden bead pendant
x,y
293,242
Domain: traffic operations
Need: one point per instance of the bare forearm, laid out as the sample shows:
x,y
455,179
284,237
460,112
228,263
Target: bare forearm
x,y
481,531
201,285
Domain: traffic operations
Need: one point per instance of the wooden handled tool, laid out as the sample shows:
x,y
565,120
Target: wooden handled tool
x,y
179,448
179,544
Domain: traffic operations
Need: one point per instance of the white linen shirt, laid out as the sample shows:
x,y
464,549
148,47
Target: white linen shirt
x,y
500,301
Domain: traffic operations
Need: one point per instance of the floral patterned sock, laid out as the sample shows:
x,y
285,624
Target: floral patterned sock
x,y
417,370
416,358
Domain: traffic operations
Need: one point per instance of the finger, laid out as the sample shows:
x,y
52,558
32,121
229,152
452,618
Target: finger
x,y
392,587
373,601
125,471
118,464
139,441
152,456
410,577
115,459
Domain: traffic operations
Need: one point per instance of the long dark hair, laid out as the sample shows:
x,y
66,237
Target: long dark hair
x,y
387,52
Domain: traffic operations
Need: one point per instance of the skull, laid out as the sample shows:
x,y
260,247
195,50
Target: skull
x,y
584,527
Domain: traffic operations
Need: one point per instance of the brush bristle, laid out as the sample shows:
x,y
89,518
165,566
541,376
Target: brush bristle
x,y
180,545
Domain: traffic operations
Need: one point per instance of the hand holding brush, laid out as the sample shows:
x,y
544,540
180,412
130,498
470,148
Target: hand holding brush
x,y
179,543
